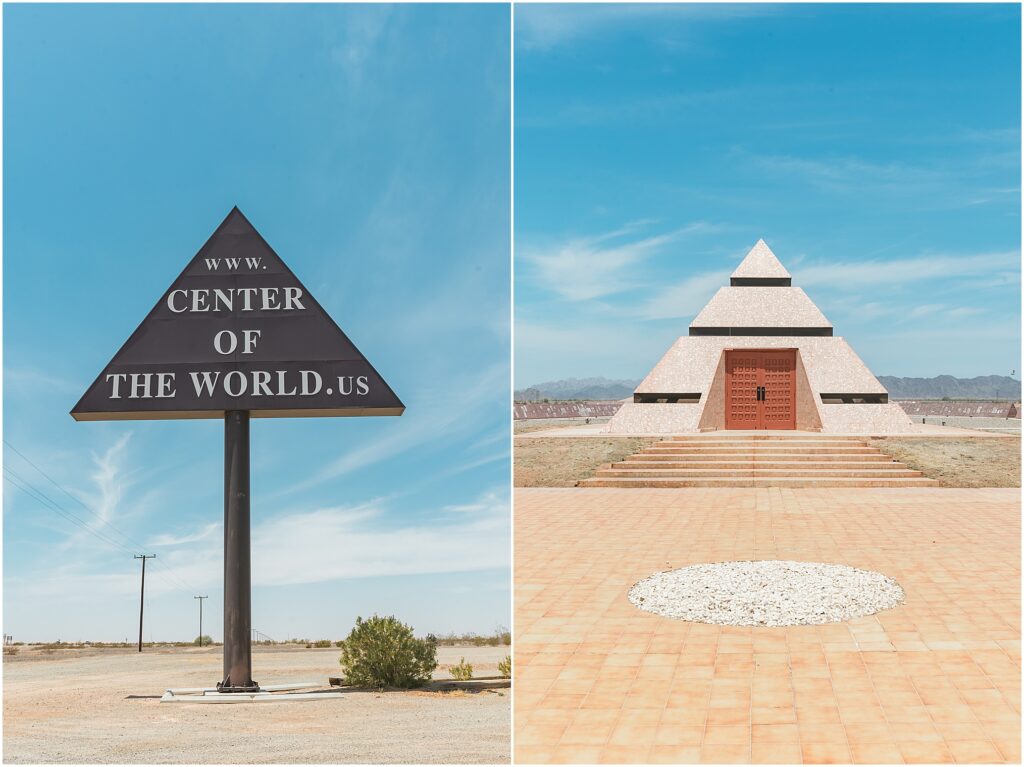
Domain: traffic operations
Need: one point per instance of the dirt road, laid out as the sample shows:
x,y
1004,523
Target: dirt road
x,y
73,707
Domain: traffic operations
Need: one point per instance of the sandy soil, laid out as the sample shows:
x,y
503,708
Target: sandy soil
x,y
104,707
959,462
555,462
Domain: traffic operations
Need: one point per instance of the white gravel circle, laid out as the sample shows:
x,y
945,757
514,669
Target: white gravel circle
x,y
766,593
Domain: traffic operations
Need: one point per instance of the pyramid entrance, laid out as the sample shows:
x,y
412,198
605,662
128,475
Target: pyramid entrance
x,y
760,389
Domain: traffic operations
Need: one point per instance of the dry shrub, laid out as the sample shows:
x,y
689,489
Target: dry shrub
x,y
382,652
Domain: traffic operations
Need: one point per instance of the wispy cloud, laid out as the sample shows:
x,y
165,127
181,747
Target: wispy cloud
x,y
449,409
545,26
337,542
924,310
166,539
473,463
493,502
847,275
551,350
31,379
951,182
676,106
108,478
344,544
686,298
966,311
361,37
585,268
109,481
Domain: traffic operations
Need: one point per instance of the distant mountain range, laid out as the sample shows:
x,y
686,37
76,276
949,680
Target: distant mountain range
x,y
578,388
981,387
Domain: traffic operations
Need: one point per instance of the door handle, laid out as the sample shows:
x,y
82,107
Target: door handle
x,y
763,394
760,394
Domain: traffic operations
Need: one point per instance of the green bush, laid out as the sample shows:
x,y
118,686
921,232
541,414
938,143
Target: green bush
x,y
505,667
382,652
462,671
322,643
205,640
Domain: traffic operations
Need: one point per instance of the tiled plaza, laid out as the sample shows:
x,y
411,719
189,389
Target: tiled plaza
x,y
934,680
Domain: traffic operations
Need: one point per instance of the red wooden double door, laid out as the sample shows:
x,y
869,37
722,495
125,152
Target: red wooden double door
x,y
760,389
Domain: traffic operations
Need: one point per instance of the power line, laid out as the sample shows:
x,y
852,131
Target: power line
x,y
25,486
73,497
35,493
165,572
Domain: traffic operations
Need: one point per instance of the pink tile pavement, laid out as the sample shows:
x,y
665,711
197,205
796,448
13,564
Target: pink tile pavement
x,y
934,680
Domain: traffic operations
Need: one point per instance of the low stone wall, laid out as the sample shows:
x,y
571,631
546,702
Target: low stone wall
x,y
955,408
595,409
969,422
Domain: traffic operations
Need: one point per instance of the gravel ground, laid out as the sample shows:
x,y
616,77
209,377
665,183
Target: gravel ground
x,y
960,461
558,462
75,707
766,593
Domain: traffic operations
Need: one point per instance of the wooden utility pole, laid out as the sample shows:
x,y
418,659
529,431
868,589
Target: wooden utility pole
x,y
201,618
142,599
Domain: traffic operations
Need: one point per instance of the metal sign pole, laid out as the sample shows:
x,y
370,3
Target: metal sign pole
x,y
237,575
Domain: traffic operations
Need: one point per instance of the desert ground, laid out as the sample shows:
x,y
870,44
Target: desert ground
x,y
558,462
103,706
950,459
959,461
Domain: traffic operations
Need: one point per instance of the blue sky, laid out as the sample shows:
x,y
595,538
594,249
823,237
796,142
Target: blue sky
x,y
876,148
369,145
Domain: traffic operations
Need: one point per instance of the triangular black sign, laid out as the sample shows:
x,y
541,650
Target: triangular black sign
x,y
237,331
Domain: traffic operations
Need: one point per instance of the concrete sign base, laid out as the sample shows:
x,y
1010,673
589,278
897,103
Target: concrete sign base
x,y
271,693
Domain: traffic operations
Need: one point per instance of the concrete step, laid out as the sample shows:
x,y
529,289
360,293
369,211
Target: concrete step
x,y
634,463
712,441
756,473
786,449
759,461
654,482
762,437
751,457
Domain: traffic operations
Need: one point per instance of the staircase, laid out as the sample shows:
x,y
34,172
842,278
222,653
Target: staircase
x,y
759,460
